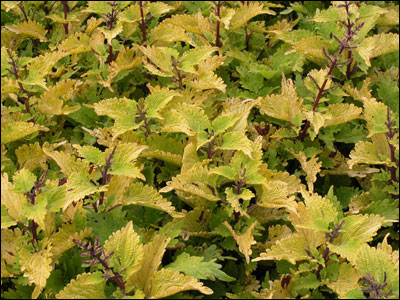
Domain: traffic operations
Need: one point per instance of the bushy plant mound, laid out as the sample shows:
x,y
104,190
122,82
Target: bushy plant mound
x,y
210,149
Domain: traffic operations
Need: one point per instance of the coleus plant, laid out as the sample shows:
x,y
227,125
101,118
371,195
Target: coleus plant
x,y
199,149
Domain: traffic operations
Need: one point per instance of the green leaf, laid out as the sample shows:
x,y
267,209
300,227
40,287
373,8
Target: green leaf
x,y
90,153
24,181
127,248
236,141
17,130
157,100
196,267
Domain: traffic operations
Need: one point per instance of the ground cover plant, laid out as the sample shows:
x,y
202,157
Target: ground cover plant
x,y
210,149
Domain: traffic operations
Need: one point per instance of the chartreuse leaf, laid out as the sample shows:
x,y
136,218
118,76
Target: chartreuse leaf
x,y
62,239
244,240
160,60
6,220
196,267
79,186
341,112
74,44
376,116
158,8
346,281
85,286
127,248
167,32
157,100
36,212
29,28
377,45
355,232
379,265
233,199
312,48
285,106
289,248
366,153
152,256
24,181
90,153
52,101
130,14
246,12
224,122
195,117
122,110
321,212
11,200
235,140
194,56
196,181
169,282
311,168
12,131
145,195
122,161
67,162
37,267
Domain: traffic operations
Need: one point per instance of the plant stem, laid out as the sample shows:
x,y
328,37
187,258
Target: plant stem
x,y
104,172
218,13
178,73
23,11
14,71
142,23
65,8
145,120
389,137
110,24
344,44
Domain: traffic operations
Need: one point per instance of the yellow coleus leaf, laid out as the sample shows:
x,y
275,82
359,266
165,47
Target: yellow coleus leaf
x,y
312,49
319,76
196,181
168,282
36,212
246,12
157,100
12,131
366,153
346,281
127,248
11,200
206,81
159,61
244,240
356,231
31,156
62,240
124,160
52,101
311,168
378,264
167,33
233,199
284,106
29,28
67,162
74,44
127,59
145,195
377,45
341,113
85,286
321,212
122,110
236,140
376,116
37,267
289,248
79,186
152,256
194,56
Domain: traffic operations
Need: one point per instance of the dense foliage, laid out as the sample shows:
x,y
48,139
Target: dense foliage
x,y
210,149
